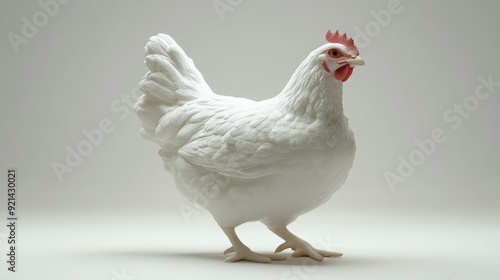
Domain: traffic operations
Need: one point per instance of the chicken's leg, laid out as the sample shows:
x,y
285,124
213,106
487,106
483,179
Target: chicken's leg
x,y
300,247
242,252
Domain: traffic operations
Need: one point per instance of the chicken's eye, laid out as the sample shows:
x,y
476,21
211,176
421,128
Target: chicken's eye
x,y
334,53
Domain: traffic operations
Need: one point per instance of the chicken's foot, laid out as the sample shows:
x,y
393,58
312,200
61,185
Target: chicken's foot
x,y
243,253
300,247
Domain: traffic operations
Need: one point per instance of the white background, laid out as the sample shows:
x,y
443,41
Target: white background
x,y
119,209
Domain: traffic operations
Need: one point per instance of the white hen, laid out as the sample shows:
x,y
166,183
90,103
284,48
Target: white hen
x,y
243,160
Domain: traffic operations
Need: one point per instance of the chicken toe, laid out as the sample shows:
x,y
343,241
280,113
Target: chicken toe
x,y
300,247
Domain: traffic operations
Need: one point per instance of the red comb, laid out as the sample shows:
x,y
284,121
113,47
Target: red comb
x,y
342,39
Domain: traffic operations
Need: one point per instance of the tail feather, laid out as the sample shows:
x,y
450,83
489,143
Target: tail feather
x,y
172,81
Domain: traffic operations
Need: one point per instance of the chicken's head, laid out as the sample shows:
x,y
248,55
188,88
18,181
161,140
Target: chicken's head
x,y
340,56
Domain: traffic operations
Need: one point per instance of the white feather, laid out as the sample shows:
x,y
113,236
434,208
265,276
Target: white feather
x,y
271,160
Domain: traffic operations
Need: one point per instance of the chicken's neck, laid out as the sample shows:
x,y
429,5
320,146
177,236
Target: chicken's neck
x,y
313,94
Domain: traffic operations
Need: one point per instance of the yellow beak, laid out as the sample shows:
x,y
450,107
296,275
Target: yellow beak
x,y
353,62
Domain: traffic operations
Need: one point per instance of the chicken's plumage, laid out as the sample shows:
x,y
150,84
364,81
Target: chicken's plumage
x,y
243,160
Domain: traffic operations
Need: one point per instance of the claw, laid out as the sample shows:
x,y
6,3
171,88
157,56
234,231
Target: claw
x,y
328,253
308,252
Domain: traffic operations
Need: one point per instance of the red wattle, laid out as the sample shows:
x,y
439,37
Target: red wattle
x,y
343,73
348,74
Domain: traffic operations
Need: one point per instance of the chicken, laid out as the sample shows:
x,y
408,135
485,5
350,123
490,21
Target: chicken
x,y
269,161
